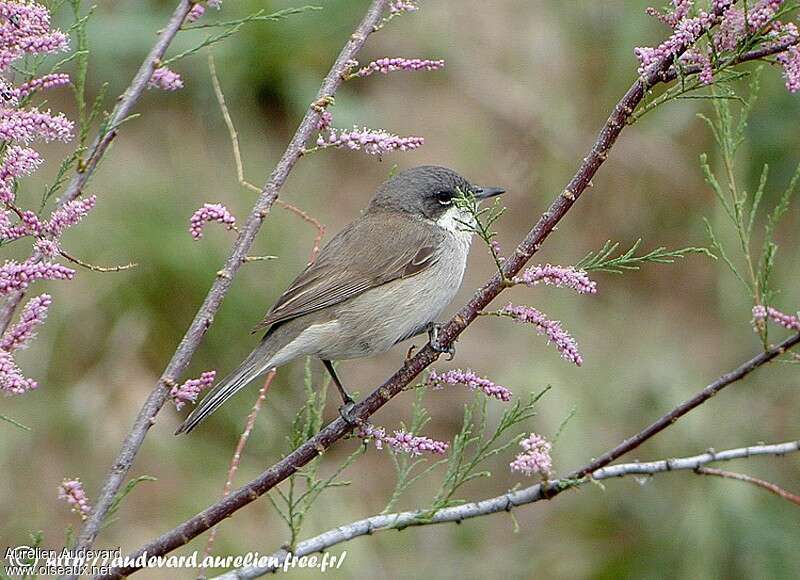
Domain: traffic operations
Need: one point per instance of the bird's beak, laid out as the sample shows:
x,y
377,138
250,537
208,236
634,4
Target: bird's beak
x,y
487,192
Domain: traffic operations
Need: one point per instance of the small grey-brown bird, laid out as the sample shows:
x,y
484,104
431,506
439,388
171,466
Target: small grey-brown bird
x,y
384,278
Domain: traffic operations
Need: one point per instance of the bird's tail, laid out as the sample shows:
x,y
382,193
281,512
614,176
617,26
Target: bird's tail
x,y
258,362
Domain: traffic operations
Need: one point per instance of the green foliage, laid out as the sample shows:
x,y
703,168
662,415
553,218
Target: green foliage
x,y
404,464
232,27
15,423
752,267
294,498
481,221
604,261
259,16
121,495
472,447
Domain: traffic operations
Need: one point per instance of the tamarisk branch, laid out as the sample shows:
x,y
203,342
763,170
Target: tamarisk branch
x,y
511,500
205,315
338,428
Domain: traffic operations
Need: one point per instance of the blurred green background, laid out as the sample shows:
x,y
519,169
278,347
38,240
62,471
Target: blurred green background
x,y
526,86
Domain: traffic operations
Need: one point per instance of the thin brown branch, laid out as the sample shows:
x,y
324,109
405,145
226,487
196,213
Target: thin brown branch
x,y
222,283
339,428
725,380
237,454
501,504
233,135
95,268
125,104
769,486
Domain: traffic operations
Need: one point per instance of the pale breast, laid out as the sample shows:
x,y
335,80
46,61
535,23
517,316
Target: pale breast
x,y
379,318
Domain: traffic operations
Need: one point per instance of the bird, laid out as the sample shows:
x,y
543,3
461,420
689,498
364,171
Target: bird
x,y
384,278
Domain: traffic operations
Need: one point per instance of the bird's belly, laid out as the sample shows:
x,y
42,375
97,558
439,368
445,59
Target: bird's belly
x,y
378,319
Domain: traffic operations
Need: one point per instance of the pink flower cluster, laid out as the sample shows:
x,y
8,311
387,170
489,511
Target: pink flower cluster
x,y
12,380
371,141
196,13
550,328
33,316
791,68
71,491
398,6
559,276
402,441
50,81
387,65
535,458
189,391
686,32
471,380
768,312
210,212
734,26
165,79
15,276
25,29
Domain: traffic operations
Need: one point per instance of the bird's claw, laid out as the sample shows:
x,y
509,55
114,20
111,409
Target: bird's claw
x,y
433,339
345,412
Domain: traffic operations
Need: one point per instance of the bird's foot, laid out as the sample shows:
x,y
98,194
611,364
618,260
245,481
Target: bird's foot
x,y
346,413
410,352
433,339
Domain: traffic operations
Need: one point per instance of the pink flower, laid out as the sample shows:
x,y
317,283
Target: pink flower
x,y
550,328
69,215
188,391
471,380
25,29
398,6
786,320
19,161
402,441
42,83
387,65
686,32
165,79
71,491
33,316
325,120
413,445
196,13
11,379
15,276
371,141
577,280
731,31
680,9
535,457
27,125
210,212
790,60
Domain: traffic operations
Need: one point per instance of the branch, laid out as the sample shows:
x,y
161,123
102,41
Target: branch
x,y
205,315
727,379
769,486
759,54
338,428
237,453
508,501
126,102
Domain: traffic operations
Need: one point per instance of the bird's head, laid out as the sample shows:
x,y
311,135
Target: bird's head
x,y
427,191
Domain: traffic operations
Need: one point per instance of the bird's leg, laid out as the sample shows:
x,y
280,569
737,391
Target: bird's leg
x,y
433,339
347,400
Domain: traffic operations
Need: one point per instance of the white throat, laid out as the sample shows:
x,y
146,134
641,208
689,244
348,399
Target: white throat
x,y
456,221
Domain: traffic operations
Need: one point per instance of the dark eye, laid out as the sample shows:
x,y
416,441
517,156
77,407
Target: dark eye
x,y
444,197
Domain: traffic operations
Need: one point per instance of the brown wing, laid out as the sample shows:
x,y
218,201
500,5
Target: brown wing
x,y
372,251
